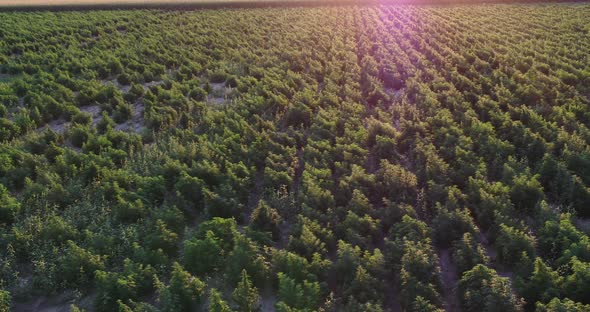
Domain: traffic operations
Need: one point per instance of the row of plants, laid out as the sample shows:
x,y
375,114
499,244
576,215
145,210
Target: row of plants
x,y
342,158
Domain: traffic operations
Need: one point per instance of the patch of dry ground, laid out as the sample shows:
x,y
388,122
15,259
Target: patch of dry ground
x,y
59,303
583,224
93,110
220,94
58,126
135,123
450,280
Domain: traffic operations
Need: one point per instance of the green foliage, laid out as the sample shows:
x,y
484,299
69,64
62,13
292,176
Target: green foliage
x,y
135,307
218,76
245,256
198,94
576,283
184,292
543,285
309,237
359,230
293,265
526,192
481,289
489,199
298,115
136,280
315,154
5,301
419,274
512,244
79,136
304,296
408,230
423,305
9,206
202,256
560,240
216,302
396,183
245,295
160,237
565,305
224,229
467,253
363,287
266,219
77,265
450,226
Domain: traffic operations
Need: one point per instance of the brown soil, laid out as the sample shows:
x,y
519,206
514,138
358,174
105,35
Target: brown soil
x,y
93,110
583,225
136,121
57,303
449,278
58,126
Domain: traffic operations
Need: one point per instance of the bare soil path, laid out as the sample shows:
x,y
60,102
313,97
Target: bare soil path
x,y
449,279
